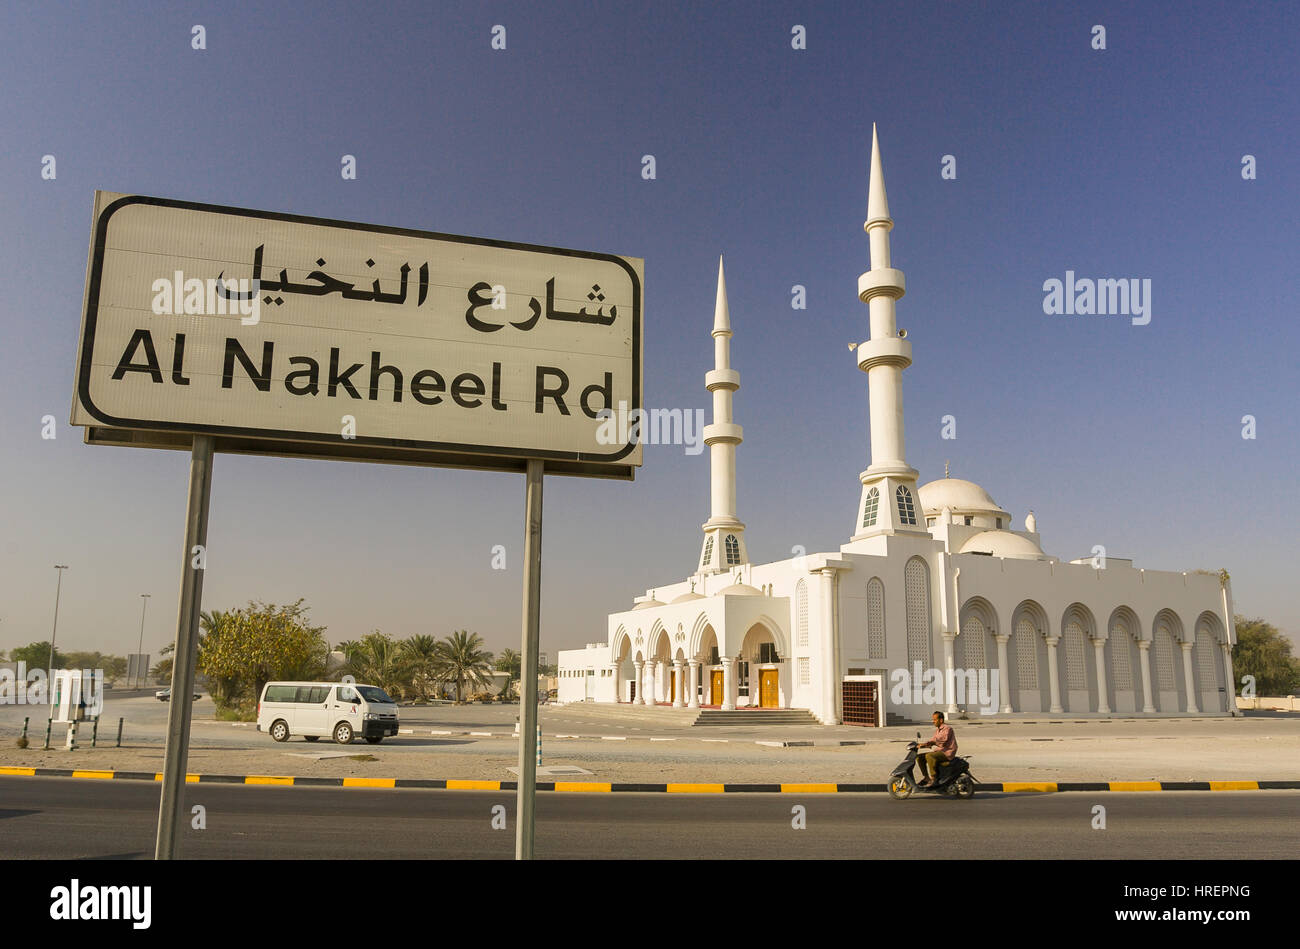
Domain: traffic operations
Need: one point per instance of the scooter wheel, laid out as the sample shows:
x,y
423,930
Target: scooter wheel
x,y
964,787
900,789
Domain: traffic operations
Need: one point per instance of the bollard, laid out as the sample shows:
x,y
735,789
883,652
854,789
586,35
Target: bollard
x,y
94,732
49,723
25,721
119,733
72,737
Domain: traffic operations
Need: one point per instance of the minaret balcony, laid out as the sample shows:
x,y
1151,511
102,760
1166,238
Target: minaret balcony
x,y
723,432
722,379
887,351
882,281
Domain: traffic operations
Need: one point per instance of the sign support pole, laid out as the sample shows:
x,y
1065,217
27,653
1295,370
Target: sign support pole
x,y
526,796
170,815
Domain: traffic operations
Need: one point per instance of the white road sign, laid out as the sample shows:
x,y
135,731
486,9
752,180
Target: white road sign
x,y
290,335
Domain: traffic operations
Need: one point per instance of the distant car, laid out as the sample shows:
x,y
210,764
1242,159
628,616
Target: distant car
x,y
163,695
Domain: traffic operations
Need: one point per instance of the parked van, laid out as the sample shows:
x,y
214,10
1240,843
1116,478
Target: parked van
x,y
341,710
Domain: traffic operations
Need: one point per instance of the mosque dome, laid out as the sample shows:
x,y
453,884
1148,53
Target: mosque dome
x,y
1002,544
686,597
649,604
964,497
740,589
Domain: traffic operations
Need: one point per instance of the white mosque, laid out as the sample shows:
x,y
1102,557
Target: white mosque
x,y
933,596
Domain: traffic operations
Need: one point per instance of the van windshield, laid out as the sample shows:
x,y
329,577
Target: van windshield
x,y
374,694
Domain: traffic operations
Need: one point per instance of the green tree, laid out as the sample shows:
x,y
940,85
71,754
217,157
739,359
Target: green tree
x,y
1263,652
465,662
243,649
423,661
36,655
508,660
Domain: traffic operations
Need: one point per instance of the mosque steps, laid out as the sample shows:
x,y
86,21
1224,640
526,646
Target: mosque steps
x,y
755,718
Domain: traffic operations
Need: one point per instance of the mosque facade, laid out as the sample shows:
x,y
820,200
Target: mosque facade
x,y
935,602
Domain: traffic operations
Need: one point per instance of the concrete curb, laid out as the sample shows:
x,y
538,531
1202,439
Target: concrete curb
x,y
452,784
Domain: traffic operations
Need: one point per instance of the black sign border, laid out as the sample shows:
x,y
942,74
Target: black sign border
x,y
315,438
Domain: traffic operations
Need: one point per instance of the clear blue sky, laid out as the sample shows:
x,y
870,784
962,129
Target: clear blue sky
x,y
1117,163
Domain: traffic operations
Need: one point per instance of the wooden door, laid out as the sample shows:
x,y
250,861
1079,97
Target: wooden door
x,y
767,696
715,688
672,685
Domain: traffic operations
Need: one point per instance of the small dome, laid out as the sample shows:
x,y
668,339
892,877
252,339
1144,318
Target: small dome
x,y
1002,544
964,497
649,604
739,589
686,598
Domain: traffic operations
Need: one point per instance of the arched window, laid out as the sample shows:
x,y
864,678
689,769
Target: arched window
x,y
1076,674
870,507
1205,659
708,551
906,513
875,619
916,581
1121,666
801,612
972,639
1164,659
1026,654
733,550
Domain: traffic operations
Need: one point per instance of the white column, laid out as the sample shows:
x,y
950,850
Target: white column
x,y
693,689
616,685
1188,680
1229,684
638,665
728,684
827,665
1144,654
949,669
1099,647
1053,677
1003,684
653,698
678,669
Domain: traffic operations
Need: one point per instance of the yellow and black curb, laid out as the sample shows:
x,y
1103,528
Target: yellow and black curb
x,y
451,784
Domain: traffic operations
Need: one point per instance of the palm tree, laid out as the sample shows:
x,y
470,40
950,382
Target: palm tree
x,y
377,659
423,659
464,661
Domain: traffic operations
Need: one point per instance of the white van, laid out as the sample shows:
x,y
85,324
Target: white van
x,y
341,710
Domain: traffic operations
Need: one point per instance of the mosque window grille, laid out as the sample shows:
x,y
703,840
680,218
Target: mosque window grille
x,y
733,550
972,635
906,512
1076,669
801,612
767,653
708,551
875,619
1164,659
916,581
870,508
1026,654
805,671
1121,664
1205,660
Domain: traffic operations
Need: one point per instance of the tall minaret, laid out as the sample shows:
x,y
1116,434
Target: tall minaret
x,y
889,502
724,535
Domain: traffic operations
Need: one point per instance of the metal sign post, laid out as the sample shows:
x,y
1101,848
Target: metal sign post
x,y
526,796
170,815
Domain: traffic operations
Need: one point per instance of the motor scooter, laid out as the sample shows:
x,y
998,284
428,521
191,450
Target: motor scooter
x,y
954,777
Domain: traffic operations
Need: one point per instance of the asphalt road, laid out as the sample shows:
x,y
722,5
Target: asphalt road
x,y
67,818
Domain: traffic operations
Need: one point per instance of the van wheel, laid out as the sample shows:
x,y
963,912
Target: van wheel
x,y
312,737
343,733
280,730
375,740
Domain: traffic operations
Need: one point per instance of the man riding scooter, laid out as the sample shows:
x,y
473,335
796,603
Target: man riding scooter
x,y
945,741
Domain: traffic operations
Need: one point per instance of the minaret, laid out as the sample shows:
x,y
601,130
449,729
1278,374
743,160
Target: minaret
x,y
724,535
889,502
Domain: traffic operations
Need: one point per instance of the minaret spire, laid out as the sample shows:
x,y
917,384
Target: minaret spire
x,y
724,534
889,503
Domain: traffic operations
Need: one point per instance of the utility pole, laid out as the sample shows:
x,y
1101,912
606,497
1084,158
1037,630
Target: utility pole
x,y
139,650
54,635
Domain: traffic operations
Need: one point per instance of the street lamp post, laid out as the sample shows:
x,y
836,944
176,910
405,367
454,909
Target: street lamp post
x,y
54,635
144,603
